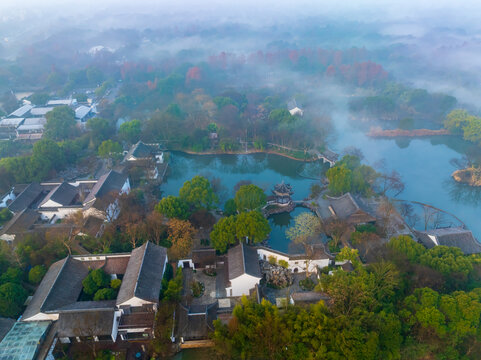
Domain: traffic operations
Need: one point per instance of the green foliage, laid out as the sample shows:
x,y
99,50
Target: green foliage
x,y
105,294
89,285
406,245
249,197
36,274
197,288
13,275
5,215
130,131
252,226
12,297
60,123
456,120
283,263
173,207
95,280
281,116
272,260
316,190
174,288
447,260
307,284
212,128
230,207
39,98
110,149
221,101
198,193
224,234
100,130
115,284
339,180
462,123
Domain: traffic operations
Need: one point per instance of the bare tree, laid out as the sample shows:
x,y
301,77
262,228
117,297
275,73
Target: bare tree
x,y
429,216
336,229
387,212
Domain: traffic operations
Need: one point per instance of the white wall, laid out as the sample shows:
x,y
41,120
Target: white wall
x,y
241,285
299,264
41,316
4,200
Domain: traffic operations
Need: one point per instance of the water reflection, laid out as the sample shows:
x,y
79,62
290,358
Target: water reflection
x,y
462,193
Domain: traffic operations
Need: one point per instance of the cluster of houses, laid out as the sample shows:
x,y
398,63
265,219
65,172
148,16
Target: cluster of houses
x,y
40,206
57,312
28,121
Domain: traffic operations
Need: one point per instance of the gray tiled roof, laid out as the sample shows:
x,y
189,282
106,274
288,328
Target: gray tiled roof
x,y
20,223
139,151
26,198
62,194
243,259
143,276
112,181
86,323
455,236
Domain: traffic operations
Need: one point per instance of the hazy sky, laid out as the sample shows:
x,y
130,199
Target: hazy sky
x,y
438,12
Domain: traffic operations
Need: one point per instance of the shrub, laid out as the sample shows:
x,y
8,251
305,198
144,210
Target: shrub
x,y
197,289
307,284
283,263
272,260
36,274
115,283
105,294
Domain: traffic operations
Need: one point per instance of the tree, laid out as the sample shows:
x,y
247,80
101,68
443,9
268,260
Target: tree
x,y
173,207
404,244
36,274
339,180
100,130
181,234
230,208
198,193
249,197
110,149
115,284
39,98
48,154
105,294
472,130
456,120
156,227
255,331
224,234
447,260
252,226
13,296
130,131
60,123
5,215
335,229
306,227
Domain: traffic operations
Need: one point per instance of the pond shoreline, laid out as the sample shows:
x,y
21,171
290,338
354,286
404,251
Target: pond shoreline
x,y
248,152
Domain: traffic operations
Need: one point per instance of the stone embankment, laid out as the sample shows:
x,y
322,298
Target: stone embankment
x,y
379,132
470,176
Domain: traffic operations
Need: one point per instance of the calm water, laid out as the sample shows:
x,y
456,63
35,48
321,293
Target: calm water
x,y
264,170
426,170
425,165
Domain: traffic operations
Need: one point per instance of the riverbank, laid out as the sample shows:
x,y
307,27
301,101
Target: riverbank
x,y
470,176
248,152
379,132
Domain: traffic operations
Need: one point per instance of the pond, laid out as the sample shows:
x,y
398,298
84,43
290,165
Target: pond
x,y
426,167
263,170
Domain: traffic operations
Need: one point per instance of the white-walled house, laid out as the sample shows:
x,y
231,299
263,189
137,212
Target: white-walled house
x,y
244,270
298,262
